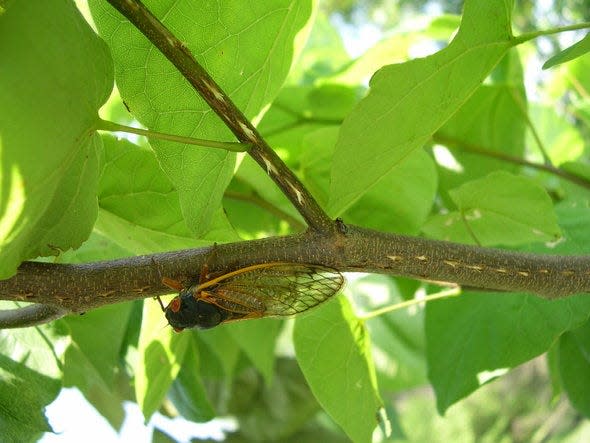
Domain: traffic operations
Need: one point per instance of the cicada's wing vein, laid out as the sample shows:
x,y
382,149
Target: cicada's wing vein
x,y
233,298
279,290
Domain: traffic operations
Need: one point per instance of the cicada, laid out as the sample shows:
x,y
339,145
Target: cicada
x,y
263,290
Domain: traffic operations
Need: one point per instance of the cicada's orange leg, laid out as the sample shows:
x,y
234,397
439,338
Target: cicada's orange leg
x,y
172,284
157,297
204,274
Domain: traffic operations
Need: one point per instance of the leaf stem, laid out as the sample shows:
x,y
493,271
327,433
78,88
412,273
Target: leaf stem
x,y
531,35
452,292
105,125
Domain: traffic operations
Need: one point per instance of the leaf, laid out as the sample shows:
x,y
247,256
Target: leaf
x,y
140,211
248,218
134,187
476,337
395,48
332,348
187,391
499,209
574,367
99,335
247,47
80,372
408,102
49,149
161,354
258,340
399,202
397,338
572,52
221,344
29,381
324,53
276,411
493,120
561,140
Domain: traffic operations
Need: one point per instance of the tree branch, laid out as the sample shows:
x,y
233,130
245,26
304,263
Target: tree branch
x,y
81,287
175,51
457,144
31,315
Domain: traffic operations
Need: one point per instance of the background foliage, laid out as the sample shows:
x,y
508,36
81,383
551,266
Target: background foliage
x,y
415,150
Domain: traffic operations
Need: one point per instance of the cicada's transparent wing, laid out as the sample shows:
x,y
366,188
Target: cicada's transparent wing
x,y
272,289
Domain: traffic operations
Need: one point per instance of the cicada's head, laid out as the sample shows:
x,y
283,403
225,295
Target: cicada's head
x,y
186,311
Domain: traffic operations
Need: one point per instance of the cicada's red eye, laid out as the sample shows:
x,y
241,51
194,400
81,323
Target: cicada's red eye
x,y
174,305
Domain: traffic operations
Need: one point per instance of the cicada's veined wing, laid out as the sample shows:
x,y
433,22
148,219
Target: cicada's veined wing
x,y
271,289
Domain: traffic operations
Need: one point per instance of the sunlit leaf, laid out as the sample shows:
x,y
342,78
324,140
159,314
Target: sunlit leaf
x,y
409,101
476,337
29,380
499,209
576,50
59,74
332,349
574,367
161,354
247,47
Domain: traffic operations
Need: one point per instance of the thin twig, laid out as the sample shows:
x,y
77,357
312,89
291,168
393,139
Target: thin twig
x,y
255,199
459,144
467,147
31,315
175,51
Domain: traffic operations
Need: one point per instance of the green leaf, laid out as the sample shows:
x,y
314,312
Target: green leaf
x,y
97,247
145,196
221,344
99,335
397,338
59,74
395,47
477,337
576,50
332,348
29,381
402,200
561,140
251,178
187,391
493,120
161,354
276,411
258,340
140,212
473,338
499,209
81,373
574,367
412,185
247,47
408,102
324,53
